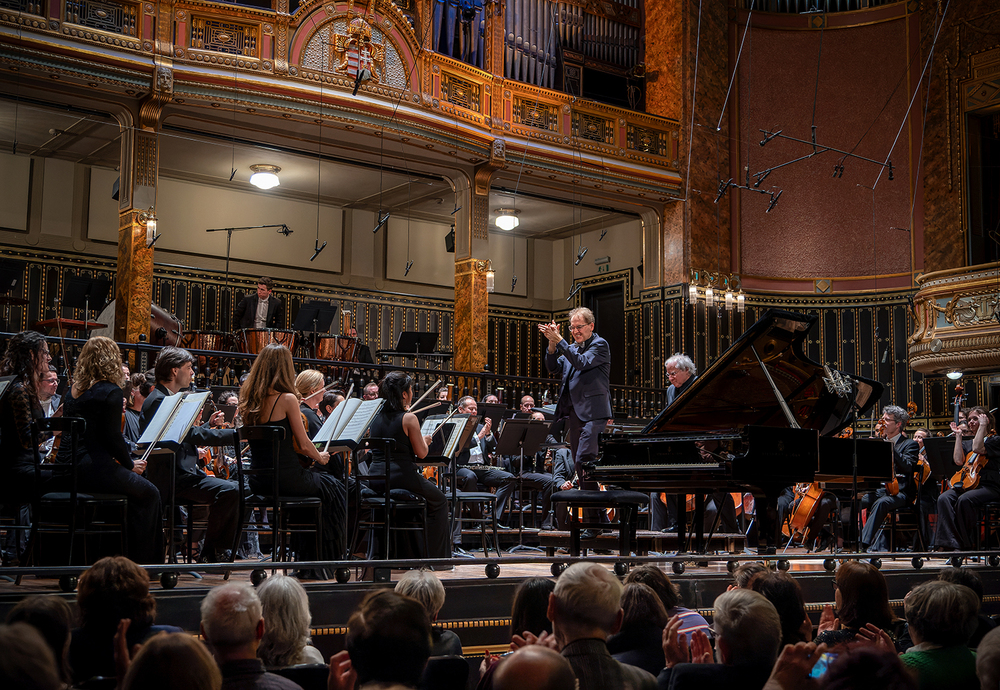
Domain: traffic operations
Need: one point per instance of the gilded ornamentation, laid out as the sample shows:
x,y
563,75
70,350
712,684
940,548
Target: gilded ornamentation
x,y
530,113
164,80
460,91
356,49
498,152
115,17
224,37
970,311
321,56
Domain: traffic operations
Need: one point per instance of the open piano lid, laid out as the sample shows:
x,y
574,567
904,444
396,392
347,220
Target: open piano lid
x,y
734,392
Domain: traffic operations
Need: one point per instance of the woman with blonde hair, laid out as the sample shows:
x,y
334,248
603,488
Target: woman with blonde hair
x,y
104,461
268,397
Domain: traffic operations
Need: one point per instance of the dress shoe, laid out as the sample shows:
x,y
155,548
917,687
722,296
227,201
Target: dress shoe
x,y
591,533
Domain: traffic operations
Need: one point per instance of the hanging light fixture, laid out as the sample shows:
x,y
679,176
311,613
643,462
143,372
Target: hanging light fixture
x,y
264,176
507,218
741,302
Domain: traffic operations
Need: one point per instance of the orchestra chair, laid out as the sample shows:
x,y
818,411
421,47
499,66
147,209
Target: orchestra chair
x,y
445,673
625,503
379,513
72,513
903,521
990,526
486,503
284,509
306,676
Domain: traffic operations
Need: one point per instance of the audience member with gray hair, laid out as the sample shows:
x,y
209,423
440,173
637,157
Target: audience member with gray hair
x,y
286,634
425,587
534,667
747,638
232,624
585,609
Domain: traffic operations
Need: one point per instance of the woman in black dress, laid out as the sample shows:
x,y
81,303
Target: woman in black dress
x,y
395,422
104,461
268,397
26,359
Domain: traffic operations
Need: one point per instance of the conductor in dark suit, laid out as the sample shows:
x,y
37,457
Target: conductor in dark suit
x,y
174,372
262,310
585,392
904,460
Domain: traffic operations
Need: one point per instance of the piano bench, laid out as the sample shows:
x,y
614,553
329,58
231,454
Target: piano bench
x,y
625,503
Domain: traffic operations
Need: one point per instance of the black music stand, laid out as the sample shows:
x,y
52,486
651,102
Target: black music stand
x,y
519,437
416,342
495,411
81,292
315,317
440,407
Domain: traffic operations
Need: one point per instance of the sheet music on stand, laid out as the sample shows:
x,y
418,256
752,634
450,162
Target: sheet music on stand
x,y
173,419
347,425
451,436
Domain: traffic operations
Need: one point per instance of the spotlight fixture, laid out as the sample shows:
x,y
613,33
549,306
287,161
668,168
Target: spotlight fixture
x,y
264,176
507,218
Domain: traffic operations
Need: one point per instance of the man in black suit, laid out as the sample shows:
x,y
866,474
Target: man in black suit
x,y
480,446
904,460
585,392
174,372
262,310
681,372
362,353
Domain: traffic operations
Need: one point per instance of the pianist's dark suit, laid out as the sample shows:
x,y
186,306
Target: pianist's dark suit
x,y
664,517
904,460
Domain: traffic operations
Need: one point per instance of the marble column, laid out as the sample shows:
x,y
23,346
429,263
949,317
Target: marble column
x,y
471,315
134,282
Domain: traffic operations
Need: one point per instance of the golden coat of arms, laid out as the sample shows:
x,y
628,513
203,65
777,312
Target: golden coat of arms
x,y
356,54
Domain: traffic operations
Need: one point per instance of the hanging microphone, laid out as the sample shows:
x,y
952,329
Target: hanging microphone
x,y
232,175
885,355
513,282
576,289
768,136
381,222
774,201
283,230
890,170
723,186
580,255
363,75
457,209
409,265
761,177
153,240
318,250
604,232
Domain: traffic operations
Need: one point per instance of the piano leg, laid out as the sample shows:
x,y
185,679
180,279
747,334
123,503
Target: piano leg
x,y
768,526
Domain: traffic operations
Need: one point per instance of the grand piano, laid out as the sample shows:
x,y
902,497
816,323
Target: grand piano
x,y
762,417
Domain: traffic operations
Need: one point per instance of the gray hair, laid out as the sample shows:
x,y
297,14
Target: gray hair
x,y
900,415
425,587
588,594
941,612
286,615
583,313
681,361
464,401
750,625
230,614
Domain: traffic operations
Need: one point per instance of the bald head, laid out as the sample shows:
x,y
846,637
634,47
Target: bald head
x,y
534,668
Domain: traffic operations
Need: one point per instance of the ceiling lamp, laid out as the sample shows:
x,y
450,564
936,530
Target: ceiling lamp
x,y
264,176
954,375
507,218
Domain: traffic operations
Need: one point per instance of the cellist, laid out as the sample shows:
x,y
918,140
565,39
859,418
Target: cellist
x,y
958,508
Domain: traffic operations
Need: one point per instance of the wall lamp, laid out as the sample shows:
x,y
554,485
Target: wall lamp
x,y
712,286
487,268
148,218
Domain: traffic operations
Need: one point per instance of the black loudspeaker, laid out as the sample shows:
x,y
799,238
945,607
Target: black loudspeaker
x,y
449,241
114,189
639,268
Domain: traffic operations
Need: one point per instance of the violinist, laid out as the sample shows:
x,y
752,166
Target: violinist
x,y
958,509
174,371
309,386
895,494
104,460
927,492
47,396
27,358
139,387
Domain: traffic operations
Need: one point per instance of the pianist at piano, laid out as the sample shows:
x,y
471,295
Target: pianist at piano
x,y
681,372
904,459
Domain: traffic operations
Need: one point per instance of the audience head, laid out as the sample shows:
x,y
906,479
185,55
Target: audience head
x,y
173,660
272,372
308,382
27,357
52,617
112,589
389,639
641,607
747,629
941,613
963,576
26,661
393,387
370,392
424,586
657,580
585,603
867,668
534,668
174,364
745,572
285,608
862,596
784,593
988,660
531,601
232,621
100,360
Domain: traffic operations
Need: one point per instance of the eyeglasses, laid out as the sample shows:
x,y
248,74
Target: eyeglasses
x,y
671,374
578,328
